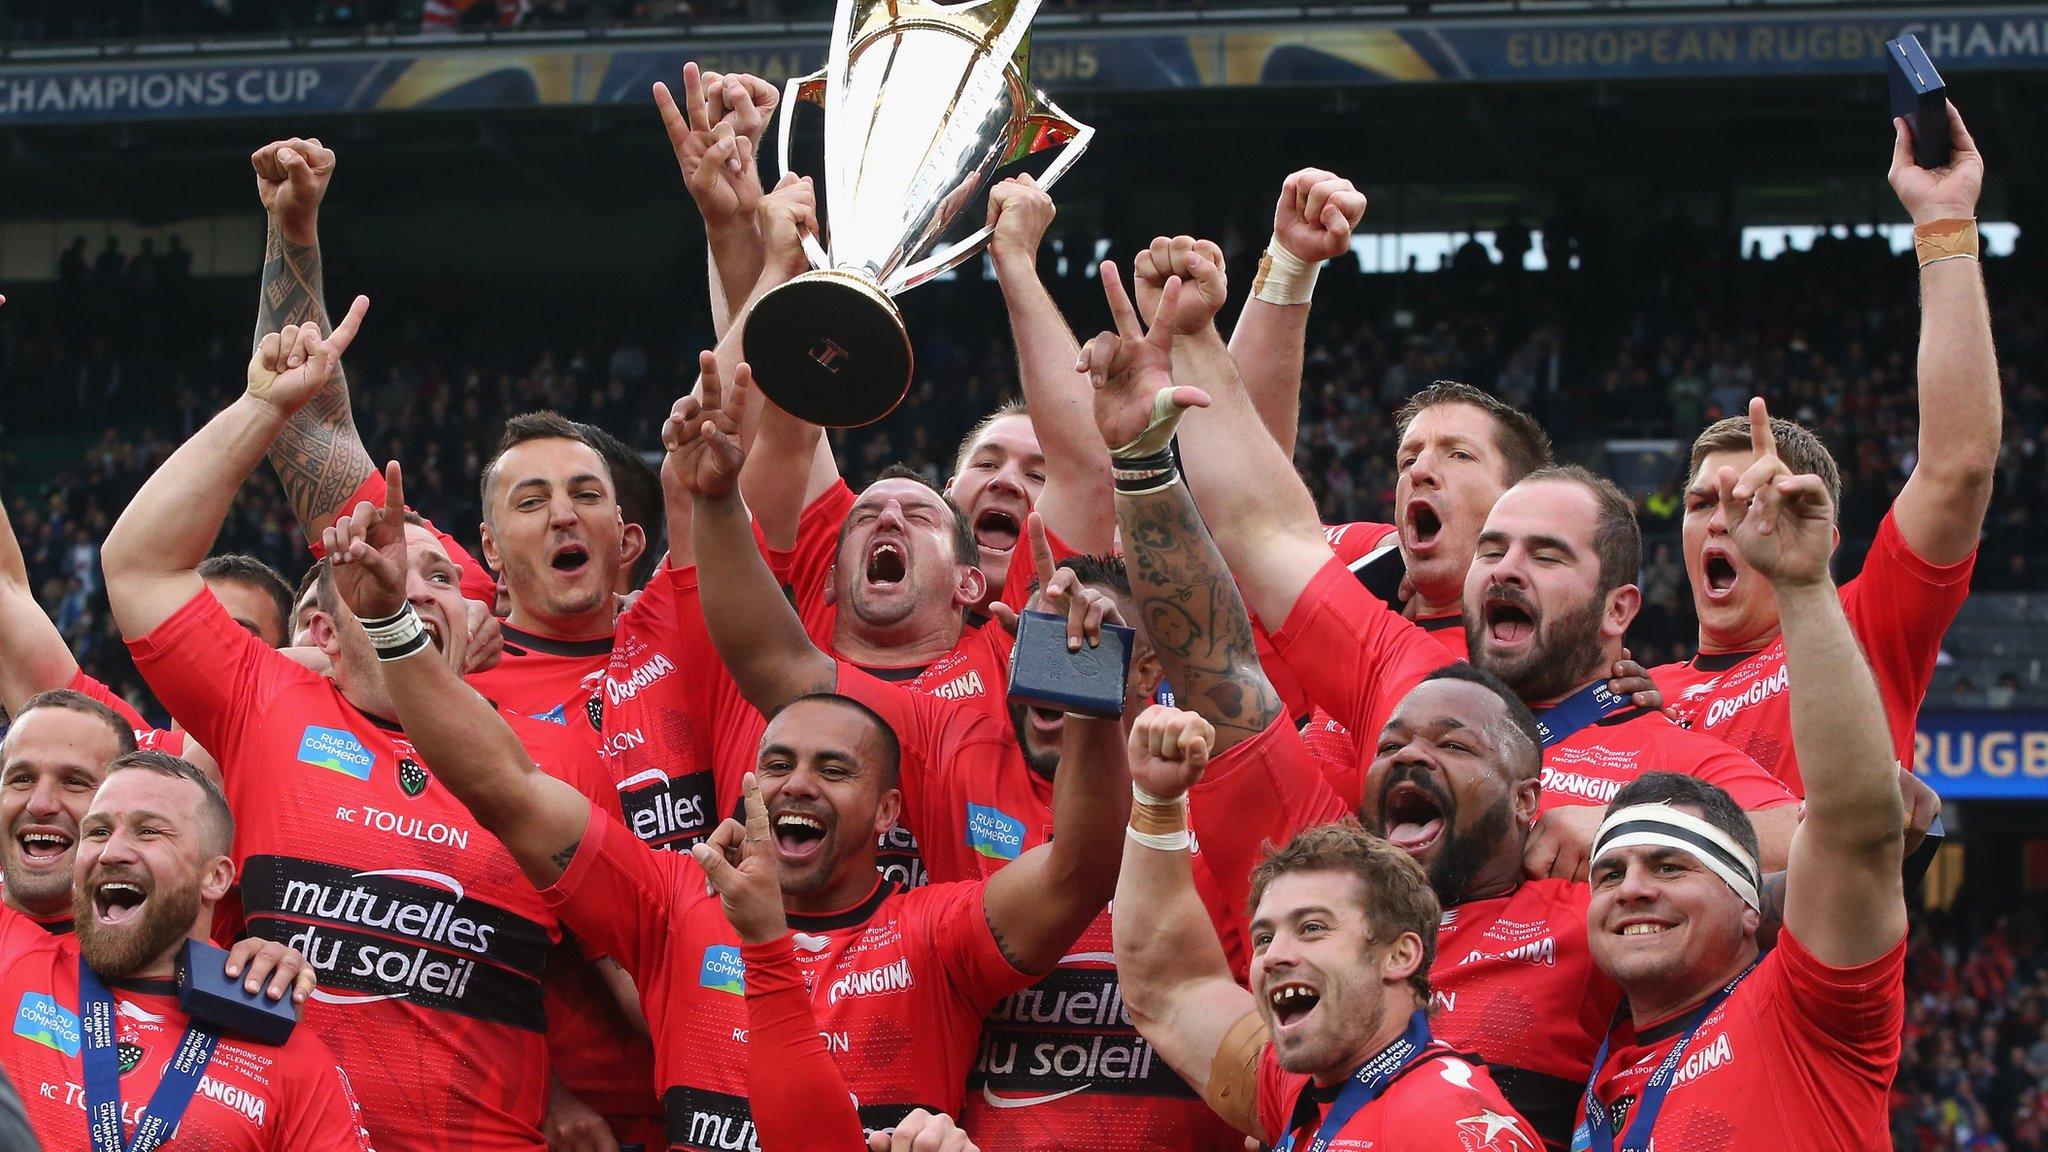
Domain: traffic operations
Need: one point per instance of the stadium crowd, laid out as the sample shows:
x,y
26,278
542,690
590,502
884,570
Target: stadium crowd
x,y
1499,897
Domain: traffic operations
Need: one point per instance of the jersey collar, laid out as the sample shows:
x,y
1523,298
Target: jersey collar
x,y
548,646
847,917
1721,661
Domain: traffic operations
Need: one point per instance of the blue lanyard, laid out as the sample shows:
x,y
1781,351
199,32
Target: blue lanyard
x,y
102,1060
1363,1087
1597,1133
1589,705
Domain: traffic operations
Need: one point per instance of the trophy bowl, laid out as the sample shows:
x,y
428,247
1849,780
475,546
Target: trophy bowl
x,y
926,106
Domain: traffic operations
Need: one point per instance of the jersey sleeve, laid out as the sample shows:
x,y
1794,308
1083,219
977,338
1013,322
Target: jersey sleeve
x,y
795,1092
619,896
724,728
216,679
1727,767
1855,1015
320,1113
805,570
1900,606
86,685
477,581
963,944
1355,657
1355,541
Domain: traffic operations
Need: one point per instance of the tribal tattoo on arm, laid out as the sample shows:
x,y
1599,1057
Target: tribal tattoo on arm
x,y
1193,613
319,457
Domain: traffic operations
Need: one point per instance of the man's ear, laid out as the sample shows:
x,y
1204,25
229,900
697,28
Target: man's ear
x,y
887,811
490,546
832,584
970,587
632,542
217,880
324,634
1622,605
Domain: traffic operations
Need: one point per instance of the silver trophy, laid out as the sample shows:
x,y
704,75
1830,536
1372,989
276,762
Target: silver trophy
x,y
926,106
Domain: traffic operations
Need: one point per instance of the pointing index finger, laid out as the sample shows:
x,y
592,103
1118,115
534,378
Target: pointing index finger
x,y
1041,550
394,495
1761,439
1121,309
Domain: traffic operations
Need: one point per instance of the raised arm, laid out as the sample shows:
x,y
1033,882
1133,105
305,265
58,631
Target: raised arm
x,y
1175,979
540,819
1941,509
1258,510
755,629
1075,503
716,134
151,555
319,457
1040,903
1312,224
33,655
1844,896
1186,599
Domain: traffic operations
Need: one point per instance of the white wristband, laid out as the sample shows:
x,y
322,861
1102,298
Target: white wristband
x,y
399,636
1144,797
1179,841
1283,277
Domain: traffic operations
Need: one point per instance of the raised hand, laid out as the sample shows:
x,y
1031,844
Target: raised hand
x,y
701,436
717,159
1131,368
288,367
1199,264
1020,211
739,862
786,216
746,102
291,180
366,549
1316,213
1947,193
1168,750
1783,524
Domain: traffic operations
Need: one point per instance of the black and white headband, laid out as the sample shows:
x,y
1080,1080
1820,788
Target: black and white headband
x,y
1662,826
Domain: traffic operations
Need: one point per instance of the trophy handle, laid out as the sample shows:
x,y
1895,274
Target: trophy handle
x,y
1044,126
811,90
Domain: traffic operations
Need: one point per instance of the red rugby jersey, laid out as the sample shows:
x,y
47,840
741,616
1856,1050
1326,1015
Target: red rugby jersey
x,y
252,1097
899,984
429,941
1356,658
1899,607
1442,1103
1800,1057
1061,1066
1592,764
1515,982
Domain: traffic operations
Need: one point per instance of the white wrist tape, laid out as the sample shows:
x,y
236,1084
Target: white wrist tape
x,y
1179,841
397,636
1283,277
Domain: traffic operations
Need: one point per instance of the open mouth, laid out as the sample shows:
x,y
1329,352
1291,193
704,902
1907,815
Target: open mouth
x,y
1720,573
1046,721
43,845
1508,621
1423,525
887,563
117,901
1413,818
1291,1003
1642,928
797,836
569,559
997,529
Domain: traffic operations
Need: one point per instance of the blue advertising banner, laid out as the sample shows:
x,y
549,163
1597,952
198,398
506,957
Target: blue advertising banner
x,y
1983,755
1065,59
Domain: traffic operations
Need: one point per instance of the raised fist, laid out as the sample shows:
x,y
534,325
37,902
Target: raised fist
x,y
1168,750
291,180
1020,211
1316,213
1204,290
1946,193
786,216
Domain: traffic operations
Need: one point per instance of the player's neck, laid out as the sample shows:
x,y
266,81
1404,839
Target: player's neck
x,y
1397,1009
1497,877
843,893
1552,701
1715,645
1430,603
594,624
916,641
1649,1006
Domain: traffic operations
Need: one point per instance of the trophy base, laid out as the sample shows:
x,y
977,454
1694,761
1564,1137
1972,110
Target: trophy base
x,y
830,348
